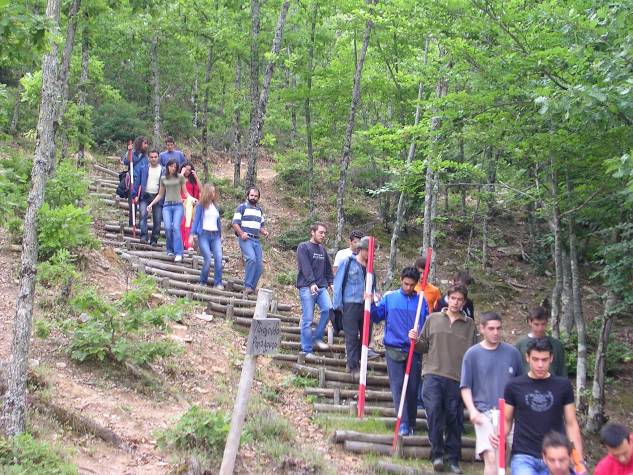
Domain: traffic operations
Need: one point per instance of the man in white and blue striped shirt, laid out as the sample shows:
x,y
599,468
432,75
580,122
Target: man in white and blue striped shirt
x,y
248,224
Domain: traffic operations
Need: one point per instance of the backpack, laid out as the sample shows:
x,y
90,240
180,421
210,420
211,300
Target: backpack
x,y
125,184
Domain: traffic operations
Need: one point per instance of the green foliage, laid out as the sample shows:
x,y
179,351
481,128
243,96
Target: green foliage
x,y
66,227
198,430
617,352
292,171
178,121
23,454
115,123
15,173
292,237
42,328
58,271
69,186
268,424
287,278
122,330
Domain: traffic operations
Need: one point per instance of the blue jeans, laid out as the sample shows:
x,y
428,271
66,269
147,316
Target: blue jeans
x,y
157,212
523,464
322,299
396,370
253,261
172,216
210,242
442,401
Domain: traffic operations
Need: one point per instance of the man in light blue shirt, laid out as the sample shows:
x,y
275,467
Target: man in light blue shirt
x,y
171,152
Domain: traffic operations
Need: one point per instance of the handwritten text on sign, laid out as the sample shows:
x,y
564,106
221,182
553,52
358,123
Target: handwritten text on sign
x,y
264,337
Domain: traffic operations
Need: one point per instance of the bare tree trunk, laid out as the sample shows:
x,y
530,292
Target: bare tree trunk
x,y
205,115
83,83
403,202
291,84
194,97
434,194
581,326
558,254
14,405
567,310
347,141
13,129
237,136
307,109
254,58
595,415
156,89
257,125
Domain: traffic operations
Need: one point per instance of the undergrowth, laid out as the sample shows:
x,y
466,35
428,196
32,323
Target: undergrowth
x,y
24,455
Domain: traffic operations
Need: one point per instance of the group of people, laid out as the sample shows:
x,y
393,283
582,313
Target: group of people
x,y
166,186
457,364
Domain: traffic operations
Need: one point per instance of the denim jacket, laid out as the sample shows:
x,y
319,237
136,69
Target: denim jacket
x,y
354,291
198,219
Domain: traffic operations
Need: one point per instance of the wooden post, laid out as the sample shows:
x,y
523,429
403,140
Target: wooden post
x,y
230,312
273,305
243,392
321,377
337,396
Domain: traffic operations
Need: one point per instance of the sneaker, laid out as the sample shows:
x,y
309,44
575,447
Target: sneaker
x,y
153,243
319,345
438,464
219,287
372,354
355,374
404,429
178,259
171,254
143,240
190,249
248,291
308,355
454,468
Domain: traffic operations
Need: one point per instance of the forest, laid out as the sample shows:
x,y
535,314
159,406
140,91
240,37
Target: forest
x,y
425,116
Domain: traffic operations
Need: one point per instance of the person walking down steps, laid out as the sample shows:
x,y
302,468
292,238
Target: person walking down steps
x,y
207,229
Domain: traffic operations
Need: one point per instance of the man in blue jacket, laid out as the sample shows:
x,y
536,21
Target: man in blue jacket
x,y
146,186
398,309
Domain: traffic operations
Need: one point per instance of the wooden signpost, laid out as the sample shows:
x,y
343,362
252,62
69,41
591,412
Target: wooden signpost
x,y
264,338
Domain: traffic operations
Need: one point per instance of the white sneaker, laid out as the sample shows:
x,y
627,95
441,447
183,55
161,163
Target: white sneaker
x,y
219,287
178,259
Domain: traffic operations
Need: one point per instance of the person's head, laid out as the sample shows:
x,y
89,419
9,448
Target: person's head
x,y
556,453
617,439
409,277
252,195
171,168
537,319
354,238
153,157
362,247
141,144
208,195
186,169
463,278
456,297
317,233
490,327
170,143
539,355
420,262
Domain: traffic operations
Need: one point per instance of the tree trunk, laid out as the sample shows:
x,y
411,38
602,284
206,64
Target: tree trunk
x,y
205,115
155,89
257,125
237,136
489,198
347,141
434,194
307,109
567,310
83,84
254,58
581,326
194,97
403,203
13,129
595,416
558,254
14,406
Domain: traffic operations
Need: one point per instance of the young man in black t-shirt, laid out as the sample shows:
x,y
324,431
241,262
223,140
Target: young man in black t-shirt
x,y
538,403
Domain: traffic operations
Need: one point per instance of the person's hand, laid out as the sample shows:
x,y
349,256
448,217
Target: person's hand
x,y
243,236
129,146
413,334
494,441
476,417
149,208
314,289
135,200
191,240
264,232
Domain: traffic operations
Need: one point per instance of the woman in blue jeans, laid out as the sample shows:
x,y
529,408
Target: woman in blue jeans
x,y
172,185
207,228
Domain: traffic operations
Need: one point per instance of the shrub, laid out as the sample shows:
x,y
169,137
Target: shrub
x,y
15,173
267,424
67,227
121,330
59,272
197,430
292,237
287,278
69,186
292,170
23,454
115,122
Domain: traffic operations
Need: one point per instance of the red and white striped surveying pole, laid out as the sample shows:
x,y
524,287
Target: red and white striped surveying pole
x,y
369,285
407,370
501,459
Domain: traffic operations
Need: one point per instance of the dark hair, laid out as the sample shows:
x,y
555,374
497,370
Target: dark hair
x,y
169,138
486,317
190,178
314,227
153,151
539,344
356,234
251,189
138,143
538,313
556,439
410,272
170,162
462,289
613,434
420,262
463,277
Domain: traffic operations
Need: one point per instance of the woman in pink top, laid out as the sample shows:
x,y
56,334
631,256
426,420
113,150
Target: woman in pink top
x,y
193,186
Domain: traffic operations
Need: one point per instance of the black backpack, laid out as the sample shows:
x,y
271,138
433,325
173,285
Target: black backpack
x,y
123,189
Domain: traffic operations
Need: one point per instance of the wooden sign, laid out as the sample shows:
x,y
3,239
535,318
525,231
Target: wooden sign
x,y
264,337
